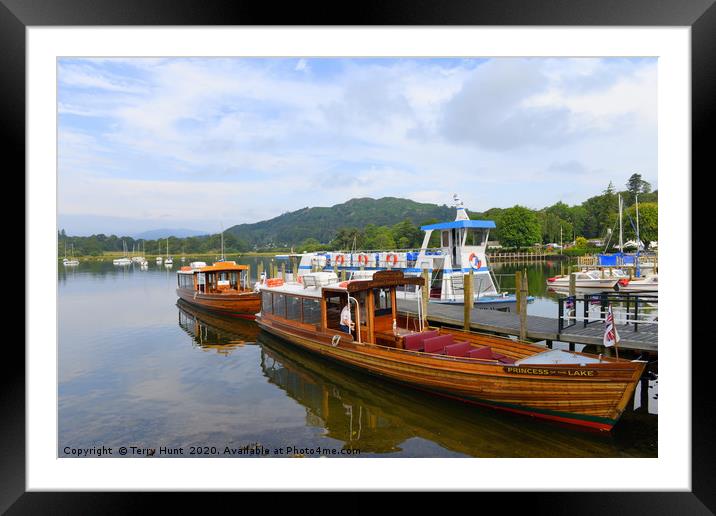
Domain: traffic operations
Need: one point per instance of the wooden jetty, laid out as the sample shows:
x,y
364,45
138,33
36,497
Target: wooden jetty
x,y
538,328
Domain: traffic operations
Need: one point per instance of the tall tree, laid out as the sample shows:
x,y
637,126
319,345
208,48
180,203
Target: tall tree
x,y
519,227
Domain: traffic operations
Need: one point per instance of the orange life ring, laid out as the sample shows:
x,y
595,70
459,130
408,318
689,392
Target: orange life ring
x,y
392,257
363,258
340,259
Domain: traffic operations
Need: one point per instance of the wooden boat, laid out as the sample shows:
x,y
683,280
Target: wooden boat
x,y
485,370
222,288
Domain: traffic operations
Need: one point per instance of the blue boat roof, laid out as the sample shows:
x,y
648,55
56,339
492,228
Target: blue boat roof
x,y
477,224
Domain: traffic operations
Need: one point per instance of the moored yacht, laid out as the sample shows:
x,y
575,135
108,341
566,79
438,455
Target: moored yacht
x,y
588,279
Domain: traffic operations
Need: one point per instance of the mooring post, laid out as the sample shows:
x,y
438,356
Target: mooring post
x,y
343,275
467,299
248,277
426,296
283,271
573,284
259,270
518,293
523,307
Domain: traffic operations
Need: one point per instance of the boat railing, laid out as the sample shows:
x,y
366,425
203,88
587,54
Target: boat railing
x,y
632,308
391,250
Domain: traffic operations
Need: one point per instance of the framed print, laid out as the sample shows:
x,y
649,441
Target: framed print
x,y
223,194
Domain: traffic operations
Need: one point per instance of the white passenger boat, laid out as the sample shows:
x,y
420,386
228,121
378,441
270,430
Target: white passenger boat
x,y
463,245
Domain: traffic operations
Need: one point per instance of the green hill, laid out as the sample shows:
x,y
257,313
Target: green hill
x,y
322,223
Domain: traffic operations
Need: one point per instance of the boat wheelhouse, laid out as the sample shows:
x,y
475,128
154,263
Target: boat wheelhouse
x,y
485,370
462,250
222,287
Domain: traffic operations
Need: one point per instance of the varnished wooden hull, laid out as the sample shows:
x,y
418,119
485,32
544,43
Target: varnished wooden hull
x,y
244,305
594,395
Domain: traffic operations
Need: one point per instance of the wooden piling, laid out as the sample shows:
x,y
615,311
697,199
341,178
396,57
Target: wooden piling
x,y
467,299
426,296
518,293
523,307
573,284
283,271
260,269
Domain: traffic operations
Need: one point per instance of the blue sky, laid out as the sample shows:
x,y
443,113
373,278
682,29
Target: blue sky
x,y
194,143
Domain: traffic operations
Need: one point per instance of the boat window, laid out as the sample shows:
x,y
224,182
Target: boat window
x,y
334,305
311,311
279,304
476,237
266,303
293,308
382,301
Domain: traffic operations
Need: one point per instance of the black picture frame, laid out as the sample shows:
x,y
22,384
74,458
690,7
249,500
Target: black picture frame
x,y
700,15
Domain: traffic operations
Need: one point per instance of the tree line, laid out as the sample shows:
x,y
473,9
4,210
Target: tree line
x,y
516,227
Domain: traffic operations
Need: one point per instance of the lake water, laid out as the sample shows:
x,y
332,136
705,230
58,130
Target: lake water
x,y
138,370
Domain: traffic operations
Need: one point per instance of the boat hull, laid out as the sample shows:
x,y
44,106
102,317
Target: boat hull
x,y
244,305
592,396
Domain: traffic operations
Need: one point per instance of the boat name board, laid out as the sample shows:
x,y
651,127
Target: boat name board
x,y
542,371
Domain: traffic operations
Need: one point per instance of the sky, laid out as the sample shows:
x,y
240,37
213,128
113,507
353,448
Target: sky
x,y
202,143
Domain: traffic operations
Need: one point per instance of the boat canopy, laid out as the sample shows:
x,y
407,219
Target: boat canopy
x,y
381,279
476,224
224,267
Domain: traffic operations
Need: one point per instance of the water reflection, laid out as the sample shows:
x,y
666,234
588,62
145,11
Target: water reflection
x,y
212,333
375,416
138,368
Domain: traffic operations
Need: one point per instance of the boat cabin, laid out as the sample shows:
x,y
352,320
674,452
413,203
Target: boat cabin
x,y
315,306
221,277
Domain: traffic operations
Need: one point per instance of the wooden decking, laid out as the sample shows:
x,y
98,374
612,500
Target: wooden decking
x,y
538,328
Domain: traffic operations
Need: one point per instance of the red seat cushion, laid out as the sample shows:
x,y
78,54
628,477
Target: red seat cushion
x,y
437,344
459,349
415,341
484,353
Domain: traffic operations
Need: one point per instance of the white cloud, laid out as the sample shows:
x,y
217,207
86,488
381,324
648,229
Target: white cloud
x,y
252,138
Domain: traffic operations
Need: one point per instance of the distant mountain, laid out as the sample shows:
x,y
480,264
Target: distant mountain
x,y
164,233
322,223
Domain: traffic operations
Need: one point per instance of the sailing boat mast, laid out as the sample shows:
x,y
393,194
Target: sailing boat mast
x,y
222,241
621,239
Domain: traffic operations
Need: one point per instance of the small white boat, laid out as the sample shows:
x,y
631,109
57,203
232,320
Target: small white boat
x,y
168,261
70,262
586,279
124,260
